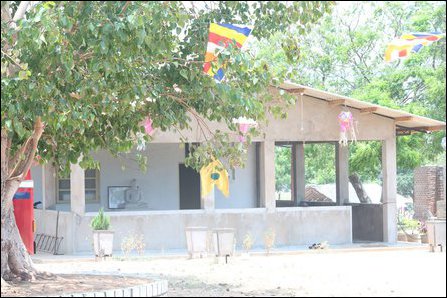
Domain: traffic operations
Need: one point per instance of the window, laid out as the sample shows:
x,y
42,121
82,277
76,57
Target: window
x,y
91,187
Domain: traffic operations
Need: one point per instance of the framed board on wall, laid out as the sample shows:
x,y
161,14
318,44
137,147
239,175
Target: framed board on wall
x,y
117,196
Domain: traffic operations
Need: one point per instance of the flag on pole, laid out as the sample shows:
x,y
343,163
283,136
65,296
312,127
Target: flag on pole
x,y
219,36
408,43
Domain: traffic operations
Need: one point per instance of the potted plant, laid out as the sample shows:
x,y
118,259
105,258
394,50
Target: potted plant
x,y
102,236
411,229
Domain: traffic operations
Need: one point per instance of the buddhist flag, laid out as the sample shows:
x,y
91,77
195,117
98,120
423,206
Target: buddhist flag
x,y
408,43
219,36
214,174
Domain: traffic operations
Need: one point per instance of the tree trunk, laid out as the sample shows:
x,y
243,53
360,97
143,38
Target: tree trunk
x,y
358,186
16,262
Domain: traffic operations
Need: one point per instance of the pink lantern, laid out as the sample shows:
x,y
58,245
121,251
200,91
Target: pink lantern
x,y
346,121
244,126
147,123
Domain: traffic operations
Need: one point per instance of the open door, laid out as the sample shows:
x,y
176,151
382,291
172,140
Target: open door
x,y
189,188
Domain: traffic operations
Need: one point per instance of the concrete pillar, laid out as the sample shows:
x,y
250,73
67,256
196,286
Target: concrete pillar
x,y
300,177
208,202
267,175
48,186
342,173
389,190
77,189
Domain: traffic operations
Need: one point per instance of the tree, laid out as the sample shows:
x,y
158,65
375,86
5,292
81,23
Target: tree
x,y
80,76
344,54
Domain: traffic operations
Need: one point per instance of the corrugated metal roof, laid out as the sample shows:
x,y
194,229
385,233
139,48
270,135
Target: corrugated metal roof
x,y
405,122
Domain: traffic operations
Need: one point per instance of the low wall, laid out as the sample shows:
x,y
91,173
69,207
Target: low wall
x,y
163,230
46,224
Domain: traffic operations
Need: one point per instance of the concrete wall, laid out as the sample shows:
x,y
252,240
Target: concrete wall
x,y
242,187
160,184
46,224
36,175
165,230
320,124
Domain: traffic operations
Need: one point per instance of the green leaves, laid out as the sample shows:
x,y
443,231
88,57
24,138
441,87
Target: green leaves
x,y
24,74
94,70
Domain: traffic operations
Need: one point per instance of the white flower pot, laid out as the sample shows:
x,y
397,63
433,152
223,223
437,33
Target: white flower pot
x,y
196,241
103,242
223,242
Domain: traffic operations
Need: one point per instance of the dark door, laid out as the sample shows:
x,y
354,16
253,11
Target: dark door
x,y
189,188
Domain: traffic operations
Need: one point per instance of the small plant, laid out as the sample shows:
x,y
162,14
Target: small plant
x,y
133,242
409,225
269,240
100,221
139,244
127,245
248,242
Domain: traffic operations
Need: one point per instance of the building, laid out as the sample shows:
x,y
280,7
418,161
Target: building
x,y
170,192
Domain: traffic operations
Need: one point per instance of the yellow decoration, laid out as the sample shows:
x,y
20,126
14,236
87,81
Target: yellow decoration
x,y
214,173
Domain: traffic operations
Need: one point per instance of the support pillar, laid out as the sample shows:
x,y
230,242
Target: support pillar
x,y
300,177
77,189
342,173
267,175
208,202
389,189
48,186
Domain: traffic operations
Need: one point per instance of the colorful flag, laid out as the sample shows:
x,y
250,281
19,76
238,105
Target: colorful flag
x,y
407,43
219,36
214,174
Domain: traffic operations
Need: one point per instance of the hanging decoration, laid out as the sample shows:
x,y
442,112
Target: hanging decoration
x,y
346,121
244,125
219,36
409,43
214,174
147,123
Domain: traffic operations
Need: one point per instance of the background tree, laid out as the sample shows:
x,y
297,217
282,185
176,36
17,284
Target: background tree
x,y
344,54
80,76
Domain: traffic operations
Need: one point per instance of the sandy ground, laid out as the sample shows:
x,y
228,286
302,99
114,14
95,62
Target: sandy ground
x,y
318,273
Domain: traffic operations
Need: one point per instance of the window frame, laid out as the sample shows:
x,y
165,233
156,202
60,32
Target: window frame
x,y
96,189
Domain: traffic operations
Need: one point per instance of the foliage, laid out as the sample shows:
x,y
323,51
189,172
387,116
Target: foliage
x,y
94,70
132,242
319,163
247,242
100,221
409,224
269,240
405,183
344,55
282,168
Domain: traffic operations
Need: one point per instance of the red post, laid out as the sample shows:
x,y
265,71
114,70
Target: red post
x,y
23,202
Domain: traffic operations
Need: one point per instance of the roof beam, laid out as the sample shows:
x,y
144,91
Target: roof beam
x,y
433,128
368,110
336,102
403,118
295,90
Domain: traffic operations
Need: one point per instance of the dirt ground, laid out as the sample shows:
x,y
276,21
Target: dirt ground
x,y
415,273
68,284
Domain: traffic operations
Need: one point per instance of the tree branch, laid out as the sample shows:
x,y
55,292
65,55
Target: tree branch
x,y
21,10
23,166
